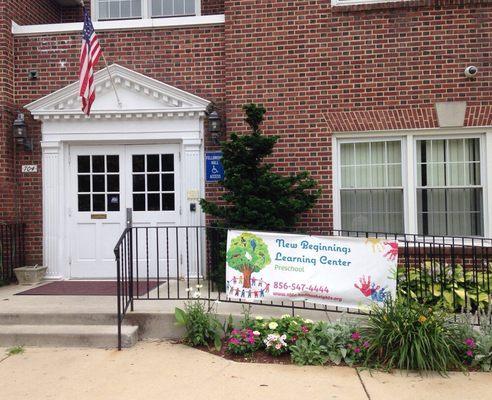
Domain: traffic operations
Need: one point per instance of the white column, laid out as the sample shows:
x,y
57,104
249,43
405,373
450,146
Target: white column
x,y
52,212
408,163
487,157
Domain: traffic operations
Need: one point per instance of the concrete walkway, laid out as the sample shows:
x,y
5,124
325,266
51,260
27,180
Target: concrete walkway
x,y
160,370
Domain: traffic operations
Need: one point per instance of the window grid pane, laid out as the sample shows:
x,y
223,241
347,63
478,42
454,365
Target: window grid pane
x,y
119,9
449,191
169,8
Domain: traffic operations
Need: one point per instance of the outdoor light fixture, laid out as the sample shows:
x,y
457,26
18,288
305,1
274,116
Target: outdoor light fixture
x,y
214,126
20,132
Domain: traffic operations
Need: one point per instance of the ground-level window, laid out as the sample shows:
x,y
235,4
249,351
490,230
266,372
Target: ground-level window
x,y
449,191
445,184
371,189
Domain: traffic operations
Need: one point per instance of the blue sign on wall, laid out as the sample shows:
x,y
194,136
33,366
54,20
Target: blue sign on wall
x,y
213,166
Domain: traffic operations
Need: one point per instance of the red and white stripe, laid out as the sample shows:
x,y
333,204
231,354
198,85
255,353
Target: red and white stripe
x,y
89,56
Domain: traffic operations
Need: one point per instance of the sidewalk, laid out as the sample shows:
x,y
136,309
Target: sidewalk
x,y
160,370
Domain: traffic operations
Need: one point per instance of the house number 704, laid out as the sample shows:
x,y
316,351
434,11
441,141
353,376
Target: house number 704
x,y
29,168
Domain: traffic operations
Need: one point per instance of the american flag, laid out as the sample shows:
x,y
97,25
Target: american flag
x,y
89,55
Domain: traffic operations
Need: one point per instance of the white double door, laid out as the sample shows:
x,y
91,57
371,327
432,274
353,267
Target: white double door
x,y
108,180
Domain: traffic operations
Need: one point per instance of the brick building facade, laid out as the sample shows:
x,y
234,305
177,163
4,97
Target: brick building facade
x,y
350,86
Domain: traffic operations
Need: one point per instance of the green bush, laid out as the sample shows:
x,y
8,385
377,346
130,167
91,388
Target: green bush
x,y
412,336
201,324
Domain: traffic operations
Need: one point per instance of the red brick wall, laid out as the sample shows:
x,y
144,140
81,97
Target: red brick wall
x,y
212,7
316,69
23,12
319,70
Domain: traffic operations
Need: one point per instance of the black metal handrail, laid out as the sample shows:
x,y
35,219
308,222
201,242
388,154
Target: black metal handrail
x,y
160,263
12,250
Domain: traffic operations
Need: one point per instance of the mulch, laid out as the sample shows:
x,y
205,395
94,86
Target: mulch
x,y
86,288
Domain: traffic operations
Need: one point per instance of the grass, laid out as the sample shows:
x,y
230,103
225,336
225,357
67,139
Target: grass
x,y
13,351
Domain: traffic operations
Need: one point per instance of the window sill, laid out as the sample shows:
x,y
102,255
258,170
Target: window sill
x,y
393,4
132,24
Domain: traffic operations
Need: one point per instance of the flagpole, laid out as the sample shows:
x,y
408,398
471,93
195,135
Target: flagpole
x,y
120,105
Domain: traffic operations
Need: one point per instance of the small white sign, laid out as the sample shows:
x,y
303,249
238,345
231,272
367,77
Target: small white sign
x,y
27,169
193,194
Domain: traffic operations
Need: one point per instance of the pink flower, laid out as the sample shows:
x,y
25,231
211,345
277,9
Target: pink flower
x,y
304,329
470,343
233,341
234,332
357,350
278,346
355,336
365,344
251,340
469,353
294,338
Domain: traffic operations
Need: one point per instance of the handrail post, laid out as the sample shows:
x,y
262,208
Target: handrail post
x,y
130,266
118,292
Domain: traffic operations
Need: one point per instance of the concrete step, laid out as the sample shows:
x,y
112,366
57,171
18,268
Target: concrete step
x,y
57,318
98,336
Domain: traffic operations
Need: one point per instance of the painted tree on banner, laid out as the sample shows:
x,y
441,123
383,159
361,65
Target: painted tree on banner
x,y
247,254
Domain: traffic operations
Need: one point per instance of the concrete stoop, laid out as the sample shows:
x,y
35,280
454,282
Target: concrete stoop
x,y
64,330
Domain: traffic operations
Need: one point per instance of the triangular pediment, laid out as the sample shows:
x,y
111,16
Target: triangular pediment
x,y
138,94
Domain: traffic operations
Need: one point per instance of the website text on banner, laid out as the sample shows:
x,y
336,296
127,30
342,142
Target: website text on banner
x,y
336,271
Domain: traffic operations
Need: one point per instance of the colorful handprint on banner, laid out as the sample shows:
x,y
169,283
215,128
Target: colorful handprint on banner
x,y
371,290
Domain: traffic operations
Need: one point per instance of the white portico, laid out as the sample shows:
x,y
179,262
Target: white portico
x,y
146,156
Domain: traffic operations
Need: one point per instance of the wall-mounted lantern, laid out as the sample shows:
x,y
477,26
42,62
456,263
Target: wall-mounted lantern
x,y
20,132
214,126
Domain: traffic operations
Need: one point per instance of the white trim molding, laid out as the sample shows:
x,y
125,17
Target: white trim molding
x,y
120,25
335,3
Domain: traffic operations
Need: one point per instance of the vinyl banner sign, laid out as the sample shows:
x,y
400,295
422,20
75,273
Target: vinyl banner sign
x,y
336,271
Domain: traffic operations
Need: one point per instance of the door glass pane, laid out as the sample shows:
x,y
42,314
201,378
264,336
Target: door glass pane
x,y
83,164
152,162
138,202
84,184
168,202
97,163
167,182
167,162
84,202
139,183
113,163
113,202
138,163
153,202
113,183
98,183
98,202
153,182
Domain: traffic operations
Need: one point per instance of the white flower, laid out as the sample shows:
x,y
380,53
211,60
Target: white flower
x,y
285,316
256,333
189,289
197,295
294,323
308,321
199,286
278,346
259,318
273,325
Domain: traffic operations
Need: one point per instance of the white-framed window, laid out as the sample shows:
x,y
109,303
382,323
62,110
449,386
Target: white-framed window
x,y
371,186
104,10
412,183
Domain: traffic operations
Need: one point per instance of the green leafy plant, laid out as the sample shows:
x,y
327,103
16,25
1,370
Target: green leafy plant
x,y
15,350
449,285
412,336
308,351
201,324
